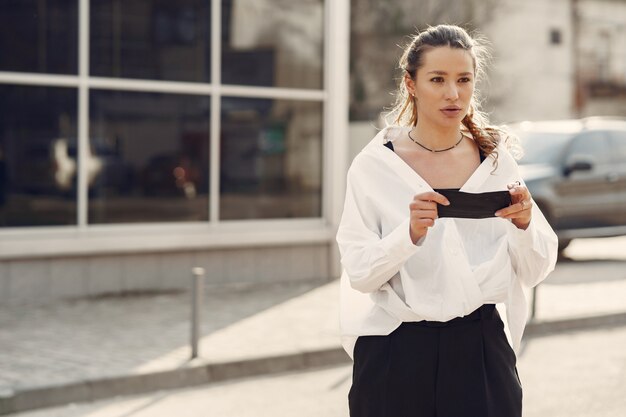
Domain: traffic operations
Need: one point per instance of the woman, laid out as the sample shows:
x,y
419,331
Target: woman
x,y
418,291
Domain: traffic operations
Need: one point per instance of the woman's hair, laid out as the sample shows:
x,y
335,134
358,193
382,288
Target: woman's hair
x,y
476,122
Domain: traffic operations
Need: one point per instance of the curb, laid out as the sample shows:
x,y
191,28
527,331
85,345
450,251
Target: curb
x,y
186,376
545,328
199,372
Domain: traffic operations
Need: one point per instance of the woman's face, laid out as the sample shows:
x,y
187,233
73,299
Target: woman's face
x,y
443,86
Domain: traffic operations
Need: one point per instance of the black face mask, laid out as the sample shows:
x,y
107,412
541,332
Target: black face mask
x,y
471,205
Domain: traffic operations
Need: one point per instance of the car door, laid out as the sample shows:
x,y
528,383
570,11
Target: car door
x,y
618,144
586,197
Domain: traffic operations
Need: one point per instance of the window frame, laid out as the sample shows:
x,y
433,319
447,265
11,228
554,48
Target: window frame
x,y
83,238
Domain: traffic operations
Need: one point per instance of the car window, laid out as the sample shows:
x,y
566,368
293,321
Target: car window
x,y
541,147
618,144
593,144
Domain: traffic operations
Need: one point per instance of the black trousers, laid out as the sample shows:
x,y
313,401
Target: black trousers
x,y
464,367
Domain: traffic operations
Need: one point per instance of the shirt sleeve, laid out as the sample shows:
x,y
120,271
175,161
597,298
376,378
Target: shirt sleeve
x,y
369,259
533,251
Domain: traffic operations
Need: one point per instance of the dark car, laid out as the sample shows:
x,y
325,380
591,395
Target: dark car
x,y
576,173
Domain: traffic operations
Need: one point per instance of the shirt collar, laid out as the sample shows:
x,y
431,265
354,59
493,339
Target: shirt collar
x,y
408,174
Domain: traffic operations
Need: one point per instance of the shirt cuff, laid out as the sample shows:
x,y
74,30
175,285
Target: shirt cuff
x,y
524,238
398,243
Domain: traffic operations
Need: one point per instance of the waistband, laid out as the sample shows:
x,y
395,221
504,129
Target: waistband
x,y
484,312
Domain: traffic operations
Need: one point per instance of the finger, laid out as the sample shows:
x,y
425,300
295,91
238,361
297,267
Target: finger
x,y
520,192
517,215
522,206
509,211
513,208
432,196
423,205
424,214
513,184
422,222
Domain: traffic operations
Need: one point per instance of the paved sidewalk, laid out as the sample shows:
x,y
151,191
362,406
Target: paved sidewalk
x,y
97,348
574,374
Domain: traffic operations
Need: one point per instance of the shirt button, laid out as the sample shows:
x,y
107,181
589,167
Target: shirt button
x,y
454,252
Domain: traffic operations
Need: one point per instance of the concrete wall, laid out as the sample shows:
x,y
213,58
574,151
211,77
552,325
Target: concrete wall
x,y
531,78
603,56
48,280
361,133
603,40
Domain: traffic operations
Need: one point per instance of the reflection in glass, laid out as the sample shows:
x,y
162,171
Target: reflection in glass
x,y
273,43
148,159
39,36
271,159
154,39
37,159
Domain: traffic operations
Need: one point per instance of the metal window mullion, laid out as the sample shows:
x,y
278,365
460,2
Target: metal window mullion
x,y
48,80
336,129
150,86
338,102
272,92
214,138
159,86
326,115
83,111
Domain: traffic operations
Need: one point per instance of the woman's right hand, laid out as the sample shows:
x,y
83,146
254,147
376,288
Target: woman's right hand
x,y
424,212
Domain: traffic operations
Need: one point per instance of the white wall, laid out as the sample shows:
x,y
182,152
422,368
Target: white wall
x,y
48,280
603,37
530,79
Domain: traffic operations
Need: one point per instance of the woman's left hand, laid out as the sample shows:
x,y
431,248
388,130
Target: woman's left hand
x,y
520,210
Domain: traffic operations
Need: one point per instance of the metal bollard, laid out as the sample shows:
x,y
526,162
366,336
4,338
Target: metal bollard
x,y
197,292
533,306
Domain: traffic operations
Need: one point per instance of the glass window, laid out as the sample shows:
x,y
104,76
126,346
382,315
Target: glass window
x,y
39,36
148,157
542,147
271,159
154,39
273,43
618,143
37,168
591,144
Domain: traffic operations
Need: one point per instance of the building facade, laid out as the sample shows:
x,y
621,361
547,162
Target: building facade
x,y
550,59
139,139
142,138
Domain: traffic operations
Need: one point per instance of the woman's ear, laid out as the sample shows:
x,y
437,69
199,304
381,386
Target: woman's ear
x,y
410,84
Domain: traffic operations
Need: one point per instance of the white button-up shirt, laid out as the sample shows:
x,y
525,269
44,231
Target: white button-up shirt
x,y
458,266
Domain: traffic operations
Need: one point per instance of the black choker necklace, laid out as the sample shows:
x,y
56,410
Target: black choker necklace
x,y
436,150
